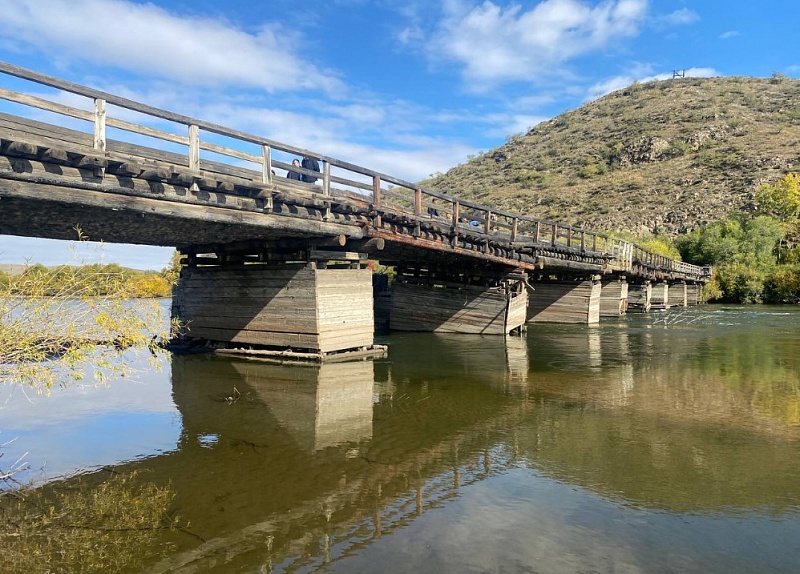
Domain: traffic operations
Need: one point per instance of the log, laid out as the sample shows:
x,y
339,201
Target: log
x,y
20,149
54,155
91,162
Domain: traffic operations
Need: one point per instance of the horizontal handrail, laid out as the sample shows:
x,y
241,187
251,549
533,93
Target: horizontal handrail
x,y
384,192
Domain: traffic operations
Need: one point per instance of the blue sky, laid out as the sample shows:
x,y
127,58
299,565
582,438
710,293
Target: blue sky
x,y
406,87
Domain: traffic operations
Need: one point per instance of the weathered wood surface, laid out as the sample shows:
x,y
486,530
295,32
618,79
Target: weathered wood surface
x,y
613,298
517,310
470,309
639,296
344,308
677,295
325,310
659,299
565,302
692,294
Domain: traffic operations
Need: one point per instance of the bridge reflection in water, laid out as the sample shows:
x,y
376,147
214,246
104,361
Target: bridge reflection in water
x,y
313,465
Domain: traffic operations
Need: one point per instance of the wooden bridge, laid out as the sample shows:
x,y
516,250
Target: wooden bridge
x,y
274,263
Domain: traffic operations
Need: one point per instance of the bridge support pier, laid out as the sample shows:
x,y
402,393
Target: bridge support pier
x,y
565,302
614,297
692,294
424,303
639,296
660,296
291,308
677,295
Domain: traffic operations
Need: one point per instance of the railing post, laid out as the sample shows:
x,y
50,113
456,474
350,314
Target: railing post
x,y
376,191
100,125
514,229
569,237
594,242
326,178
194,148
487,225
583,240
376,199
554,238
537,232
418,202
456,217
266,164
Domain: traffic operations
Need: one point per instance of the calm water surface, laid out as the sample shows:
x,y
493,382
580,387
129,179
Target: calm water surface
x,y
658,443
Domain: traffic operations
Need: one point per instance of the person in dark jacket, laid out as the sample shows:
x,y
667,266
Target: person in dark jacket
x,y
291,174
310,164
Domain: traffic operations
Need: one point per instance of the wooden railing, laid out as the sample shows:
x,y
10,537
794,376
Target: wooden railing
x,y
210,147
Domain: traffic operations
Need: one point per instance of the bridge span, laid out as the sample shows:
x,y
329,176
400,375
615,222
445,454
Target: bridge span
x,y
272,263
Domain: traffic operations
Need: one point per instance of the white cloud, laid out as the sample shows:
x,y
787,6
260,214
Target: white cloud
x,y
410,34
147,39
507,125
729,34
680,17
622,81
495,44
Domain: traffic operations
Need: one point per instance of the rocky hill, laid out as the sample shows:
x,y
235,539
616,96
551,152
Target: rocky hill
x,y
660,157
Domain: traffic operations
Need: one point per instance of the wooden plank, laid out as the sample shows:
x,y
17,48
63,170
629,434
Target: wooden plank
x,y
423,308
345,308
613,298
230,152
272,324
517,313
42,104
565,302
266,338
186,206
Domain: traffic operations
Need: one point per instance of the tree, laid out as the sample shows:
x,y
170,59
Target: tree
x,y
782,201
742,251
58,326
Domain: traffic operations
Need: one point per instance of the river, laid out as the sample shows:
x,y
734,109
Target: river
x,y
667,442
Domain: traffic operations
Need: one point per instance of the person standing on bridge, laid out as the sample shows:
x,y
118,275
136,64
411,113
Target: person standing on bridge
x,y
311,164
291,174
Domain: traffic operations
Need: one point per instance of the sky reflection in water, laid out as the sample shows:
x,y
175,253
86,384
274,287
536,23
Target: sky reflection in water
x,y
626,447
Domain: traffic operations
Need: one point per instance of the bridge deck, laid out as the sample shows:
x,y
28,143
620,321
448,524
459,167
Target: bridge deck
x,y
55,178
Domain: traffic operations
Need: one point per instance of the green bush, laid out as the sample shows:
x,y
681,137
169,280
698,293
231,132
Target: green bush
x,y
743,253
783,285
740,283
